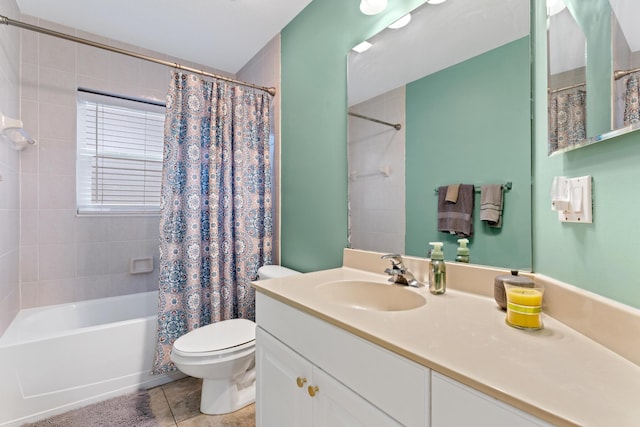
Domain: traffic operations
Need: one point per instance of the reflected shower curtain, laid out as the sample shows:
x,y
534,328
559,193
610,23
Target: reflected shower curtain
x,y
215,221
632,101
567,119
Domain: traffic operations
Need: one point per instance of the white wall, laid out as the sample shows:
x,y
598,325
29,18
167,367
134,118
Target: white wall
x,y
9,169
378,202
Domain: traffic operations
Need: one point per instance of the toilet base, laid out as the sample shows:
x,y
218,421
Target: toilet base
x,y
226,396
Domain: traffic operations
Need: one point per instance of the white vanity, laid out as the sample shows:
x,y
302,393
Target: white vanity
x,y
450,362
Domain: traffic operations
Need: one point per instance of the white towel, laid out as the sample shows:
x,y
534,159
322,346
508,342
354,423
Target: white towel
x,y
491,203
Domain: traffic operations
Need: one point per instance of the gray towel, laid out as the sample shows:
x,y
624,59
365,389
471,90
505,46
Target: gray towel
x,y
456,218
491,203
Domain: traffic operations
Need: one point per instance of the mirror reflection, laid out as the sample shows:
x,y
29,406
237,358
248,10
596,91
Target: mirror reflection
x,y
597,99
456,80
567,79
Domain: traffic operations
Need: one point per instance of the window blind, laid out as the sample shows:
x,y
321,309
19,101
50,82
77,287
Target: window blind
x,y
119,161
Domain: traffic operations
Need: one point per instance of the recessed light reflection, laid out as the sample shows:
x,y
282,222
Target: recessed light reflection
x,y
401,22
361,47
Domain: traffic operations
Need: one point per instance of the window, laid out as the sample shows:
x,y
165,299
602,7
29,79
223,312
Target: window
x,y
119,161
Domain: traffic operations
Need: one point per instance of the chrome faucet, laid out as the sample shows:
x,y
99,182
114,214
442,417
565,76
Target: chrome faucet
x,y
398,272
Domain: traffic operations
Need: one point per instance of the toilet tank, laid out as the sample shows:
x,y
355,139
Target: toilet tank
x,y
274,272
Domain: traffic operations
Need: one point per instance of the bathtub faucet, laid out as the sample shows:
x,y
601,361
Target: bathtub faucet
x,y
398,272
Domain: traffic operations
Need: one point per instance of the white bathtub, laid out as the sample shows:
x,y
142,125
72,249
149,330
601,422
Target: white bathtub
x,y
56,358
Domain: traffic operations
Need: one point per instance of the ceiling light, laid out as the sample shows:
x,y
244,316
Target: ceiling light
x,y
372,7
436,1
401,22
365,45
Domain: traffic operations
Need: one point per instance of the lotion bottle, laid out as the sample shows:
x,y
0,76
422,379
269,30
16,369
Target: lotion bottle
x,y
437,270
463,251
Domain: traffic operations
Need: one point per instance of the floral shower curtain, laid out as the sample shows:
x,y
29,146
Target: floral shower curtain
x,y
215,222
567,118
632,101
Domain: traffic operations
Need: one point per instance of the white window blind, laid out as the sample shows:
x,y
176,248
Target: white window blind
x,y
119,162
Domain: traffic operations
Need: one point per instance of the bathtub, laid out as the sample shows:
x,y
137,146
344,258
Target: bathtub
x,y
57,358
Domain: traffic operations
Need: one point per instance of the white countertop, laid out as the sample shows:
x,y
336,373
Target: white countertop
x,y
556,374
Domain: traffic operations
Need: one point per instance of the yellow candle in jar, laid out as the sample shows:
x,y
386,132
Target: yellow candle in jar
x,y
524,296
523,307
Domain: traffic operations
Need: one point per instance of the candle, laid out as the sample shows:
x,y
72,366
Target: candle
x,y
524,306
525,296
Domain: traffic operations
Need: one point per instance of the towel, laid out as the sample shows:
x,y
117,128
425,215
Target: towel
x,y
456,218
491,203
452,193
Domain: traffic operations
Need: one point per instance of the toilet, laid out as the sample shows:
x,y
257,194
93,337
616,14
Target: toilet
x,y
223,355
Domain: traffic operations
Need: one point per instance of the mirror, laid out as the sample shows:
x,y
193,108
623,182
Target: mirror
x,y
603,55
456,80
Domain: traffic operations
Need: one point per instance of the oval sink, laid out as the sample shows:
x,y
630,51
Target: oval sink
x,y
371,295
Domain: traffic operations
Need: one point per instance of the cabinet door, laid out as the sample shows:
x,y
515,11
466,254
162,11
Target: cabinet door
x,y
335,405
455,404
280,402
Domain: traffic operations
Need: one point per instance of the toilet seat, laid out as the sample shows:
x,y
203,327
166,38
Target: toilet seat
x,y
219,338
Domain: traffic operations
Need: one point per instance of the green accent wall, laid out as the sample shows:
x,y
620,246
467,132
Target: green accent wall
x,y
591,18
471,123
314,127
601,257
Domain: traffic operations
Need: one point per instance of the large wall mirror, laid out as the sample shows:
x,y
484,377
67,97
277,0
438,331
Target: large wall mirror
x,y
442,100
594,66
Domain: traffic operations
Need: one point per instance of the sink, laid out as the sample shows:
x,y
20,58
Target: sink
x,y
367,295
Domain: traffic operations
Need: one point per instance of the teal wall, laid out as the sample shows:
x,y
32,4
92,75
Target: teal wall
x,y
471,123
591,18
601,257
314,127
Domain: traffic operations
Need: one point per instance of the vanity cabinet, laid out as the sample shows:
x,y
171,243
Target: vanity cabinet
x,y
455,404
291,391
358,383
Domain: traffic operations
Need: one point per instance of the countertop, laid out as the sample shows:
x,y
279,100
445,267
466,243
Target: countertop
x,y
556,373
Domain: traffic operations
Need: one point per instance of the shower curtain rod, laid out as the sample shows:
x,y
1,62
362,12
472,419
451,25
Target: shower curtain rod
x,y
396,126
560,89
621,73
8,21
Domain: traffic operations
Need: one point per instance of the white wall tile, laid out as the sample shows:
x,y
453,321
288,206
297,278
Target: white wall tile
x,y
92,259
56,261
56,191
56,226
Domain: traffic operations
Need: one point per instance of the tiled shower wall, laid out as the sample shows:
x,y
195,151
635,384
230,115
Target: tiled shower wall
x,y
64,257
377,202
9,169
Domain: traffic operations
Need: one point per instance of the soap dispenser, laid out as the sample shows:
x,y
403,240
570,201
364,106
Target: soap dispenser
x,y
463,251
437,270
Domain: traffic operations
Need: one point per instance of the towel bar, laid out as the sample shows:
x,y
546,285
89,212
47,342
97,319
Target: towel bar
x,y
507,186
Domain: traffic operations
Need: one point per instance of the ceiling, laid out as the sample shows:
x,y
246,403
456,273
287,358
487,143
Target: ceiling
x,y
223,34
437,37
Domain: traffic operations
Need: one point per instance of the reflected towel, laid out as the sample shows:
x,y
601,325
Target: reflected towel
x,y
491,203
452,193
456,218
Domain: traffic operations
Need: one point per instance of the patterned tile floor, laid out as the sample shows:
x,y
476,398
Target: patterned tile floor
x,y
177,405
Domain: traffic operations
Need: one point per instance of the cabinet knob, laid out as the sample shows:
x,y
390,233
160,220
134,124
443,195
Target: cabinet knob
x,y
313,389
301,381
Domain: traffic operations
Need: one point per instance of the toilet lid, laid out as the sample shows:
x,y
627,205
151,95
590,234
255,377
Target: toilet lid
x,y
217,336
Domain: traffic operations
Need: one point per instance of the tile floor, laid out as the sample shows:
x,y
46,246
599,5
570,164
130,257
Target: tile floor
x,y
177,405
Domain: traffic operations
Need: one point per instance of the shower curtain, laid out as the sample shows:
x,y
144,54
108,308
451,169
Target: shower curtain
x,y
632,101
567,119
216,219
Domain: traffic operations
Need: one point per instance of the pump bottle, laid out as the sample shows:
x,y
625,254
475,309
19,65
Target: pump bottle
x,y
437,270
463,251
